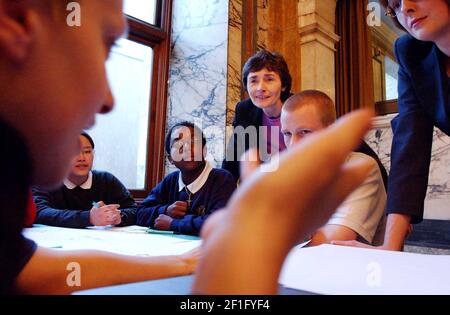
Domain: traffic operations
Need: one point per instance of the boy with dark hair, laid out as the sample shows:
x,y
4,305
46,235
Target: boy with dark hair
x,y
87,197
185,198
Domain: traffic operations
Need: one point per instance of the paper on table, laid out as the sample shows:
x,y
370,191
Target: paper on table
x,y
131,240
329,269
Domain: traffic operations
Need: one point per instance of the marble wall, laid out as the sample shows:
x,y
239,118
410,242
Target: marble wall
x,y
438,195
198,70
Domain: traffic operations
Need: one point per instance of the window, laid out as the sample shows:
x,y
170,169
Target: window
x,y
144,10
391,78
385,76
130,140
385,67
123,148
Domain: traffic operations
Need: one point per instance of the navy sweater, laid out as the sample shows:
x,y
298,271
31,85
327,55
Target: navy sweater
x,y
15,181
214,195
70,207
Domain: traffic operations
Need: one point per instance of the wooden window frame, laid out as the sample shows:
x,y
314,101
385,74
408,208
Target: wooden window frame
x,y
383,40
158,38
386,107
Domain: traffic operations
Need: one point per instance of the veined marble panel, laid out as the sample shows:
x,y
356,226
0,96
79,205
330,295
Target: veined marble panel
x,y
438,194
198,69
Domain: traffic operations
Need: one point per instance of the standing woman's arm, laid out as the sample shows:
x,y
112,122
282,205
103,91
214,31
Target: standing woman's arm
x,y
410,155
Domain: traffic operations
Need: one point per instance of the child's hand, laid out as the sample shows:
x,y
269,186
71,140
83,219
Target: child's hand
x,y
118,218
249,163
191,258
105,215
177,210
163,222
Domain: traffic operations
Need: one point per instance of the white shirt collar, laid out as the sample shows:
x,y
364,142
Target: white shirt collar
x,y
198,183
86,185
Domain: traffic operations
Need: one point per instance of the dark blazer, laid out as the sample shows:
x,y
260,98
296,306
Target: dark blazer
x,y
423,102
15,179
247,114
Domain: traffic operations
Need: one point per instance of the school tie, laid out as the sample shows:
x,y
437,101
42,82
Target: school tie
x,y
186,195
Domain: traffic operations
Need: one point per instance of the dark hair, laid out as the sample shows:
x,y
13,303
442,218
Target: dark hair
x,y
87,136
385,5
182,124
273,61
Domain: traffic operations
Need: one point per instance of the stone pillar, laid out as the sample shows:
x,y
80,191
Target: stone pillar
x,y
316,22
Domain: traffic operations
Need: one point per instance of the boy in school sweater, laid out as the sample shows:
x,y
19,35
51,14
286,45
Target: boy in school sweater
x,y
185,198
87,197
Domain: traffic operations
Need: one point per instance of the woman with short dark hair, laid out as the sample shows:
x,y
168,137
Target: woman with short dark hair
x,y
267,80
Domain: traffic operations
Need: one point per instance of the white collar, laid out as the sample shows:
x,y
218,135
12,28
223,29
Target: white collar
x,y
86,185
198,183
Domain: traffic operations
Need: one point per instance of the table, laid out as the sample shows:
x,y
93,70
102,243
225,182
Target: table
x,y
130,240
170,286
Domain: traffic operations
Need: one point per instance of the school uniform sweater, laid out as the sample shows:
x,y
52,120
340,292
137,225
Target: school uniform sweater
x,y
212,195
71,207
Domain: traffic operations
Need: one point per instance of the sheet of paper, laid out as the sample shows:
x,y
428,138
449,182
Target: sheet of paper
x,y
131,240
329,269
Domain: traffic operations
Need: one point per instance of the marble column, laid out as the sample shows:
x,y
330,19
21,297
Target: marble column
x,y
234,57
234,61
317,37
262,21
